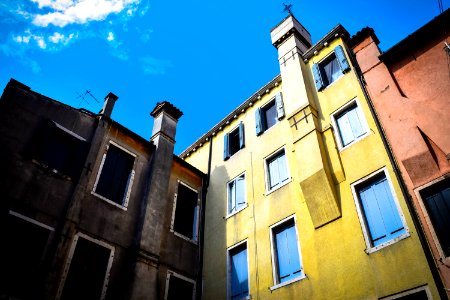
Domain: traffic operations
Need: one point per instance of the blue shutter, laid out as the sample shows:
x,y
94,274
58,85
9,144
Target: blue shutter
x,y
317,77
241,136
239,275
342,59
287,254
258,121
279,105
226,147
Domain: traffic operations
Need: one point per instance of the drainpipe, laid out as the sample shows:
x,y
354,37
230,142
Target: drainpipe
x,y
397,172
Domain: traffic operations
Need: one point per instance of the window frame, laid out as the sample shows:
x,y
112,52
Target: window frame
x,y
245,205
260,113
69,261
434,235
363,220
409,292
129,185
335,116
229,250
196,218
179,276
240,128
318,69
276,281
267,174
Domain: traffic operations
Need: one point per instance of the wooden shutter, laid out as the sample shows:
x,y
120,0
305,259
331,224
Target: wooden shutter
x,y
317,77
226,147
241,135
279,105
287,253
258,121
343,63
239,273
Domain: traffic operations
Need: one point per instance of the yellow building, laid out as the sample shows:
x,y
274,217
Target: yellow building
x,y
303,201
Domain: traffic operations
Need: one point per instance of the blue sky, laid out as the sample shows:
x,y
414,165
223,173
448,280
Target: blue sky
x,y
206,57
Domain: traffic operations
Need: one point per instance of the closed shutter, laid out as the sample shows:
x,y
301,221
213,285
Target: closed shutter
x,y
239,274
258,121
287,253
342,59
226,148
317,77
241,135
279,105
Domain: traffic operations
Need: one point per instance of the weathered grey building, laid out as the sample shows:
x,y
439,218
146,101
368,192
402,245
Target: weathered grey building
x,y
91,210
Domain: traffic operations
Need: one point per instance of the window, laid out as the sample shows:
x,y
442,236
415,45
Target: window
x,y
378,211
236,194
88,269
420,293
179,287
115,176
276,170
24,245
238,272
436,199
350,124
59,149
185,216
233,141
330,69
269,114
285,253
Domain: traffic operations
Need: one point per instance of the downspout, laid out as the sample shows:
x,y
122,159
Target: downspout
x,y
205,186
397,172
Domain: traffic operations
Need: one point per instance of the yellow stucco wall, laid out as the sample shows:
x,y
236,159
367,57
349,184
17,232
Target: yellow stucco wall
x,y
333,256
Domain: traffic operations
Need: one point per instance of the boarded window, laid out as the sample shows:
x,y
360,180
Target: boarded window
x,y
87,272
116,175
437,202
186,212
239,272
180,289
58,148
24,246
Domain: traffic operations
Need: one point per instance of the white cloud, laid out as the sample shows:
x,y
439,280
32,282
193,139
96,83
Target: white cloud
x,y
68,12
58,38
110,36
153,66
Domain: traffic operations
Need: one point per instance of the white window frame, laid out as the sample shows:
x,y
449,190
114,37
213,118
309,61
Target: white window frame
x,y
172,273
229,214
320,64
273,253
427,216
362,218
335,125
172,222
409,292
266,170
229,249
33,221
263,115
129,186
69,261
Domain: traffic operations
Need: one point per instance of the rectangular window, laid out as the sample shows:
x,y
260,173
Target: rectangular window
x,y
233,141
269,114
59,149
436,199
24,245
88,269
115,176
379,211
420,293
238,272
276,170
330,69
179,287
285,253
350,124
236,194
186,212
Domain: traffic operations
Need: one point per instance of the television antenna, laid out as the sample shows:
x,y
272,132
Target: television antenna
x,y
85,95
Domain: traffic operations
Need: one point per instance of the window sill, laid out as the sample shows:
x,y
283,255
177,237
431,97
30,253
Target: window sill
x,y
278,187
109,201
336,80
280,285
388,243
353,142
237,211
184,237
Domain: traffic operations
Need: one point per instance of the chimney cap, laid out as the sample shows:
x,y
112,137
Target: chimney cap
x,y
168,107
112,96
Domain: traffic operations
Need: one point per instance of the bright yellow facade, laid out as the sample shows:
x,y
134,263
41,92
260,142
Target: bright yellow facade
x,y
336,257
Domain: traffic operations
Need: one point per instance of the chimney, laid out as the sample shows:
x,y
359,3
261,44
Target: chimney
x,y
108,105
165,122
292,40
